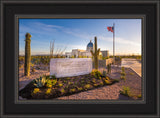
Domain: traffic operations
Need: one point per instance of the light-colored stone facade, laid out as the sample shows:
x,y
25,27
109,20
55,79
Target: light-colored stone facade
x,y
68,67
78,53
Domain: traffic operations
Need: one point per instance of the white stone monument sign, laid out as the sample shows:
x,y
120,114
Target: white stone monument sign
x,y
68,67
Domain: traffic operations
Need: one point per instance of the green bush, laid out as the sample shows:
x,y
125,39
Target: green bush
x,y
125,91
122,69
40,82
21,65
48,91
53,77
123,73
107,78
139,96
87,86
60,85
94,80
80,88
72,90
108,81
96,73
50,83
101,83
95,85
36,90
123,78
33,70
62,91
104,74
115,80
131,73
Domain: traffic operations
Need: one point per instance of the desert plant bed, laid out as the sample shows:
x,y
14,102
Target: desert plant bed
x,y
49,87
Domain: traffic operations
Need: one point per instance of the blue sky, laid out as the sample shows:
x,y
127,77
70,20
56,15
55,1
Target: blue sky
x,y
76,34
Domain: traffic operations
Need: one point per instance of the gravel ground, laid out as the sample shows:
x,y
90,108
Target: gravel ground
x,y
133,80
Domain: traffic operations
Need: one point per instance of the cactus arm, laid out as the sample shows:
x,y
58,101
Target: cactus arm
x,y
93,54
98,51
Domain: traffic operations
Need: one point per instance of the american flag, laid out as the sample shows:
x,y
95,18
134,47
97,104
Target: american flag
x,y
110,29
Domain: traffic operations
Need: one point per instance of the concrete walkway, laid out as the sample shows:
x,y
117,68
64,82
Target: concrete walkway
x,y
134,64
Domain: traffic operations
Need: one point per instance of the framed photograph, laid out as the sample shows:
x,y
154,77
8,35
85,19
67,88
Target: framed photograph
x,y
79,58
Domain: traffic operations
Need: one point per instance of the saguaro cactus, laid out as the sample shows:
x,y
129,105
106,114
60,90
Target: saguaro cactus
x,y
27,54
95,54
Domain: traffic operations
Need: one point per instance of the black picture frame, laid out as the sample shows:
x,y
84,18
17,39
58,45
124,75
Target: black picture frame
x,y
11,8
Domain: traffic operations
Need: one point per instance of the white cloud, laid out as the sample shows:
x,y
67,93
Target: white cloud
x,y
119,40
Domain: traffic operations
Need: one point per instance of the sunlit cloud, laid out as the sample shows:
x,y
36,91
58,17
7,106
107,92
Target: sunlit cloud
x,y
119,40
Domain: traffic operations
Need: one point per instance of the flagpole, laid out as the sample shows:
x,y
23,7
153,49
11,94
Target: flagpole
x,y
114,43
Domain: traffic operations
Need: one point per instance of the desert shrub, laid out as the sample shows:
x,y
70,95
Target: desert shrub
x,y
109,68
94,80
47,77
123,78
31,64
101,83
115,80
60,84
20,65
82,81
39,82
53,77
107,81
122,69
21,58
87,86
33,70
72,90
48,91
125,91
62,91
80,88
104,73
65,81
139,96
95,85
38,68
131,73
70,83
107,78
36,90
50,83
123,73
96,73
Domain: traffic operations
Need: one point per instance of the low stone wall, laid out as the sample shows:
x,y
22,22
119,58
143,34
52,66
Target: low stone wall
x,y
104,63
68,67
109,61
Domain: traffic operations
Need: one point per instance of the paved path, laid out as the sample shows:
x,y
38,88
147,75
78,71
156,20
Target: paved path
x,y
133,64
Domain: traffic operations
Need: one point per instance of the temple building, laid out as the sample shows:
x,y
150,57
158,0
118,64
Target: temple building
x,y
78,53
